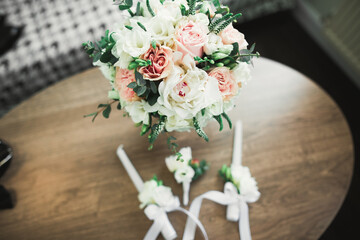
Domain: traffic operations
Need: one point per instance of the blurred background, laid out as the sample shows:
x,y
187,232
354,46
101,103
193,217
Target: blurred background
x,y
41,41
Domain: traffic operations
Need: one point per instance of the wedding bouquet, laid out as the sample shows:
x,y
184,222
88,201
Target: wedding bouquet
x,y
173,65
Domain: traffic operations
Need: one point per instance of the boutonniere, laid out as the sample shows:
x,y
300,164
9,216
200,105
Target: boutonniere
x,y
157,200
186,169
240,189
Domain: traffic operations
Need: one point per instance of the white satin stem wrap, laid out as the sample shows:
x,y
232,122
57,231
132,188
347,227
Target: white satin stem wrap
x,y
130,169
162,224
230,197
186,190
237,145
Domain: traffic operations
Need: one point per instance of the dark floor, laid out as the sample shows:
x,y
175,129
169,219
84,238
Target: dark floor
x,y
281,38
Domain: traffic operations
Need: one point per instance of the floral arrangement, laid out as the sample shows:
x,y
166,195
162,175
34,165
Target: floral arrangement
x,y
241,178
173,65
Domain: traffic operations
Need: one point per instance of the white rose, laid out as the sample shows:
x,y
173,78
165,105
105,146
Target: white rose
x,y
184,174
146,195
188,94
171,10
245,183
137,111
215,44
124,59
163,196
161,28
201,18
242,73
133,42
176,123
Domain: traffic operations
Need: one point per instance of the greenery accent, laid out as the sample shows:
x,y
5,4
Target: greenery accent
x,y
199,167
225,173
199,131
192,4
226,23
214,24
149,8
219,120
158,181
227,119
142,26
184,12
105,109
124,4
138,9
156,129
101,50
173,147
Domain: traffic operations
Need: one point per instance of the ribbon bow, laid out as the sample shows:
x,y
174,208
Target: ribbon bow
x,y
162,223
237,210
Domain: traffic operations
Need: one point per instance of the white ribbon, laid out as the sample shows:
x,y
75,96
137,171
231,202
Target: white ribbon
x,y
162,224
230,197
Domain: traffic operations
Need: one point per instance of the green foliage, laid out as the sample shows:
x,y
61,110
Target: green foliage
x,y
214,24
94,115
184,12
124,4
199,167
225,173
192,5
158,181
149,8
153,44
145,88
105,109
199,131
227,119
226,23
173,147
101,50
219,120
138,9
156,129
142,26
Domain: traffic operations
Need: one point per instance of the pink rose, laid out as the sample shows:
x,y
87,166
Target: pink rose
x,y
162,64
123,78
231,35
226,82
191,39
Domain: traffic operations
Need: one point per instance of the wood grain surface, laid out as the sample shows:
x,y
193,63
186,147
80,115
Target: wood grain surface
x,y
69,183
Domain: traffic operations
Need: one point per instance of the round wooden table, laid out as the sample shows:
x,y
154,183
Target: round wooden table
x,y
70,184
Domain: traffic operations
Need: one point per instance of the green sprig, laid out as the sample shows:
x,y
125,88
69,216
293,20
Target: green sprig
x,y
226,23
149,8
199,130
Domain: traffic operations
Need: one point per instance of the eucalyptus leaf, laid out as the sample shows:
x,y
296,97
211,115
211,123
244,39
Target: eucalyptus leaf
x,y
107,111
132,85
